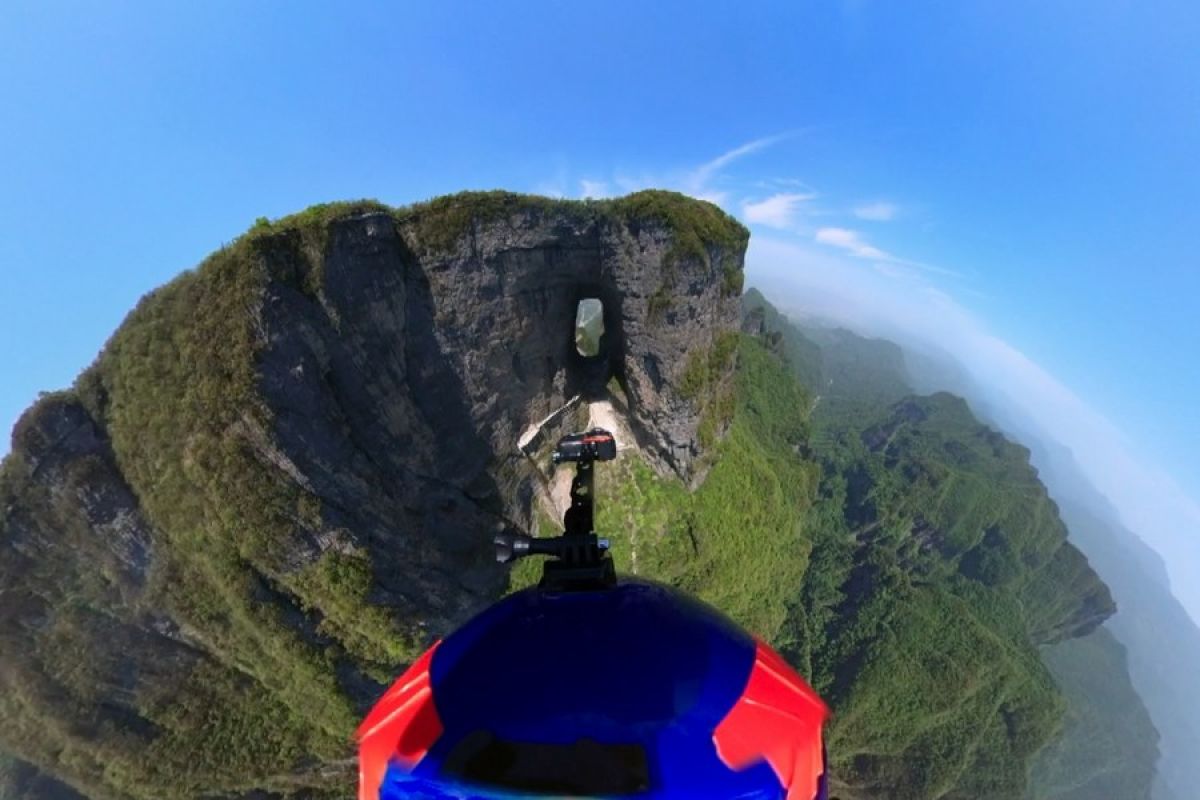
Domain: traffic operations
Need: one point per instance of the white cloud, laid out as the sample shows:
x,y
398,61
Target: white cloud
x,y
699,181
551,188
877,212
893,270
776,183
630,183
716,198
1151,503
596,189
777,211
851,242
701,175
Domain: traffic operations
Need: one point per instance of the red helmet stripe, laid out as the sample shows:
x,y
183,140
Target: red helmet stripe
x,y
401,727
778,719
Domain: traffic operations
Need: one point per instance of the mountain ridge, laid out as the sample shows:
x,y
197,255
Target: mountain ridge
x,y
1109,744
280,480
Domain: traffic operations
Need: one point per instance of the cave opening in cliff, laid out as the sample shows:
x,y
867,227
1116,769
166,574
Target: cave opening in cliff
x,y
589,327
595,331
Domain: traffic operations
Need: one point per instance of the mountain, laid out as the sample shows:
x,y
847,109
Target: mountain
x,y
1154,633
1109,745
280,479
1162,641
935,565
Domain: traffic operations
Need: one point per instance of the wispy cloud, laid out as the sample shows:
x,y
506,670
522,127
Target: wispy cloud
x,y
778,210
789,204
698,182
877,212
852,242
897,271
702,181
704,173
595,189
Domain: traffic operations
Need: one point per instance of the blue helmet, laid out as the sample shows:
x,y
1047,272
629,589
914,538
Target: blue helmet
x,y
592,686
636,690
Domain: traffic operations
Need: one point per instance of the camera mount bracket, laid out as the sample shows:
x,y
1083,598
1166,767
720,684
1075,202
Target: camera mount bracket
x,y
578,559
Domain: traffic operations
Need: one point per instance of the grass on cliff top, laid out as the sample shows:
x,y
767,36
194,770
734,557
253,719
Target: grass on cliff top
x,y
442,221
697,226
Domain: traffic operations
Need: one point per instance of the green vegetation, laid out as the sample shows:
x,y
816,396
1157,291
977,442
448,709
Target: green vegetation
x,y
315,220
704,367
528,571
697,227
932,671
701,384
938,562
343,581
1109,745
444,221
701,230
744,558
1162,640
660,302
901,554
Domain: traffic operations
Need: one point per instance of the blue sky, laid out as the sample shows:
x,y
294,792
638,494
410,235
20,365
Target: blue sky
x,y
1037,163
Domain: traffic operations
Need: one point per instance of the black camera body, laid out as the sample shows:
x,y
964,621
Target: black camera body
x,y
594,445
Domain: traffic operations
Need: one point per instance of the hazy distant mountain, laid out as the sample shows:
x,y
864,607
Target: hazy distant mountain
x,y
1108,747
1160,640
942,478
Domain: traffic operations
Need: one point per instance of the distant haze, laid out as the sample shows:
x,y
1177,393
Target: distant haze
x,y
808,282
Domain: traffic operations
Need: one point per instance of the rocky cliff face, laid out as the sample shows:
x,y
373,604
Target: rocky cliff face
x,y
280,478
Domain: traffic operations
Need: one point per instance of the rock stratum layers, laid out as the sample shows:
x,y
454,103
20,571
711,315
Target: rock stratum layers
x,y
278,481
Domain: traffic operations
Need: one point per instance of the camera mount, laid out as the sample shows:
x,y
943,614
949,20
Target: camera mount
x,y
578,559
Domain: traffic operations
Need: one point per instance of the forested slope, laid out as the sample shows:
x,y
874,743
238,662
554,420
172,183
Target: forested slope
x,y
947,478
901,554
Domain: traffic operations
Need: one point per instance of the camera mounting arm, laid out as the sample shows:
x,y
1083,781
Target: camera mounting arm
x,y
579,559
